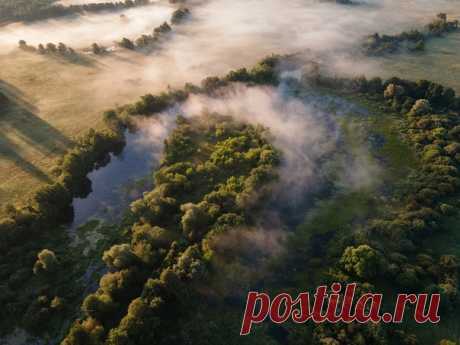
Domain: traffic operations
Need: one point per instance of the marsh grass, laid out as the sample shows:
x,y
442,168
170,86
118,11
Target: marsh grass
x,y
439,62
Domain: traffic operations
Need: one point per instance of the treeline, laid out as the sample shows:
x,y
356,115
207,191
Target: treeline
x,y
263,73
413,40
23,227
26,10
215,173
391,248
49,48
147,42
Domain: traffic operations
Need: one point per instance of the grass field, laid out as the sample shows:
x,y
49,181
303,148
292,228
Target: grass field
x,y
440,62
52,102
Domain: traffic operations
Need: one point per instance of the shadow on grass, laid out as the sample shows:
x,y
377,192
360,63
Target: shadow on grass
x,y
10,150
75,59
19,123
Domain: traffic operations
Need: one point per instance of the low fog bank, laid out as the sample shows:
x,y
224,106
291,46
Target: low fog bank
x,y
240,29
82,2
303,130
82,31
302,133
220,36
308,137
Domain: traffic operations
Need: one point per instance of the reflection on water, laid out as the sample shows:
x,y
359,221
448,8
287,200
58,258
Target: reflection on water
x,y
121,181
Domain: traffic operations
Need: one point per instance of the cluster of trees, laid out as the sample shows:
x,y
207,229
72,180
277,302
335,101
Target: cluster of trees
x,y
214,171
441,25
392,247
413,40
264,72
30,10
180,15
50,48
23,227
146,41
98,49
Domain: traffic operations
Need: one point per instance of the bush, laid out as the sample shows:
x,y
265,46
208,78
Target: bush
x,y
362,261
46,262
119,257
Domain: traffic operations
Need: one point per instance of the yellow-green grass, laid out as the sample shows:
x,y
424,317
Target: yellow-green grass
x,y
440,62
54,100
51,103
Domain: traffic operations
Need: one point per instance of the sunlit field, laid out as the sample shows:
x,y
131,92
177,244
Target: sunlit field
x,y
440,62
159,160
207,45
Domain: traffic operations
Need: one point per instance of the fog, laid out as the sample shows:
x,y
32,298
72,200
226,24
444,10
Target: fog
x,y
82,2
82,31
223,35
301,133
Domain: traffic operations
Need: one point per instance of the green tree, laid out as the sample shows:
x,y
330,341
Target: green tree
x,y
119,257
362,261
46,262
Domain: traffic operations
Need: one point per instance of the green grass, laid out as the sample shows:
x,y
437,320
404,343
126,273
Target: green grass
x,y
439,62
47,110
53,101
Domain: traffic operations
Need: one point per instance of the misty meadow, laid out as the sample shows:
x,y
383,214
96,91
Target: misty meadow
x,y
159,159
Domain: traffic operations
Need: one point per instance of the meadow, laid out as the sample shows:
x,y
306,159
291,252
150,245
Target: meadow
x,y
227,172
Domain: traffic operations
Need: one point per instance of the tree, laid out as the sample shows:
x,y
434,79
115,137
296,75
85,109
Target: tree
x,y
195,221
179,15
96,49
62,48
393,90
150,244
363,261
447,342
51,48
119,257
99,307
421,107
46,262
162,29
127,44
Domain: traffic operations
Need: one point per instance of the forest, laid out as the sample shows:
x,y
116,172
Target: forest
x,y
158,169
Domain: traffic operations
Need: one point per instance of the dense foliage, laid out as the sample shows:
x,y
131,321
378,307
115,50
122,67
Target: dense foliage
x,y
25,227
214,173
180,265
147,43
391,248
25,231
